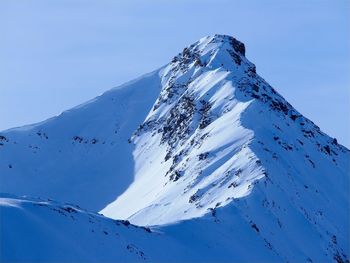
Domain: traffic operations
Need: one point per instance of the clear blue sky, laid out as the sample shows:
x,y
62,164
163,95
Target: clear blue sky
x,y
55,54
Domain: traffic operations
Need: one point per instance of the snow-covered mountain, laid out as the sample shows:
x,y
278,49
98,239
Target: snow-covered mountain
x,y
203,150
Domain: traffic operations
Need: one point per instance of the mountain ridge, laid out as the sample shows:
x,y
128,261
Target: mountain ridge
x,y
181,114
202,138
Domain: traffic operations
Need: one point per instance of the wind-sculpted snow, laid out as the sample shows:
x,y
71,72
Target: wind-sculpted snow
x,y
203,150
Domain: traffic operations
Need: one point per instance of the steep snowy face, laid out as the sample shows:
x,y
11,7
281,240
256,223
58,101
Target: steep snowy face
x,y
191,152
219,138
216,130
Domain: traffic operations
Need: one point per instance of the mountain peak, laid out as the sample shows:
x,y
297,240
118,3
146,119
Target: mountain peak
x,y
213,52
203,139
215,131
226,39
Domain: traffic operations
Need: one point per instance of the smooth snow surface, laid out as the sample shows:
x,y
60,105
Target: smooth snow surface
x,y
203,150
83,155
42,230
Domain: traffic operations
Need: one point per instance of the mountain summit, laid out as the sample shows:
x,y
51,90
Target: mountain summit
x,y
203,143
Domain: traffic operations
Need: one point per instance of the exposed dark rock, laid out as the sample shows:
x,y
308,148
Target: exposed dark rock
x,y
327,149
237,59
203,156
3,138
255,227
176,175
125,222
78,139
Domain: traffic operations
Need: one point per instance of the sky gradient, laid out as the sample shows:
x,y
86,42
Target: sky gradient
x,y
57,54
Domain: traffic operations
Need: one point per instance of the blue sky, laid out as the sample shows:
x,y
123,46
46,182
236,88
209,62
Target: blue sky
x,y
59,53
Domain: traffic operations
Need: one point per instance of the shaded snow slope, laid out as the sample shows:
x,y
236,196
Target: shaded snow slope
x,y
46,231
206,152
83,155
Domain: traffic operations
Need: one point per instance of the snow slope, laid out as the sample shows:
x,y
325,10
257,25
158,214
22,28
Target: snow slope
x,y
206,152
47,231
83,155
214,131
